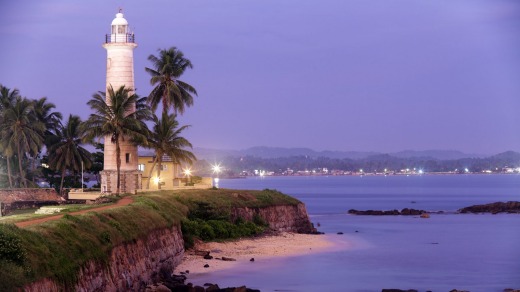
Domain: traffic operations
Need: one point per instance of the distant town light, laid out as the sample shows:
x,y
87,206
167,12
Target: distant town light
x,y
466,170
421,171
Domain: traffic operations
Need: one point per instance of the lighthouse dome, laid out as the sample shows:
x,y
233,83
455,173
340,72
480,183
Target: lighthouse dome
x,y
119,20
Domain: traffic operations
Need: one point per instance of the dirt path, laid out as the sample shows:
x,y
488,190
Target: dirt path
x,y
123,202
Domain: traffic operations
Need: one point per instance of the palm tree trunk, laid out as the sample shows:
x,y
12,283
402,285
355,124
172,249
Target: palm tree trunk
x,y
62,179
22,175
159,158
9,172
150,174
118,166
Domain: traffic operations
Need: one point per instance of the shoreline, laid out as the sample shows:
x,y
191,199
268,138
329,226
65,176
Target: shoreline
x,y
262,248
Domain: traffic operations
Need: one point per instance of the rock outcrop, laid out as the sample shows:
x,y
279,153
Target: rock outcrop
x,y
288,218
494,208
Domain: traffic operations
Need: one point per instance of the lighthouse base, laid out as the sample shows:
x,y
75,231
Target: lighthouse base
x,y
130,181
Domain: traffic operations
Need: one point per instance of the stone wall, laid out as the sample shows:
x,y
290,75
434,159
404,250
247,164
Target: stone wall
x,y
130,181
131,266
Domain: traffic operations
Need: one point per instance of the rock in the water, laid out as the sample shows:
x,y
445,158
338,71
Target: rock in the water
x,y
405,211
206,266
493,208
340,232
198,289
455,290
208,257
425,215
511,290
252,260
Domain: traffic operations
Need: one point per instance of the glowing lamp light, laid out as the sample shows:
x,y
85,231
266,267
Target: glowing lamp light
x,y
216,168
187,172
157,180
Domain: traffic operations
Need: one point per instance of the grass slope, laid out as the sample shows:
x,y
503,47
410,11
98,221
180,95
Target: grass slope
x,y
57,249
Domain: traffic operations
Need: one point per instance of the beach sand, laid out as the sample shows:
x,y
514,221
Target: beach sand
x,y
260,248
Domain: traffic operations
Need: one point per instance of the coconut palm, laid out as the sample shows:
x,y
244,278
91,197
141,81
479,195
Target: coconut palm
x,y
67,153
44,113
165,139
7,98
21,131
118,115
173,93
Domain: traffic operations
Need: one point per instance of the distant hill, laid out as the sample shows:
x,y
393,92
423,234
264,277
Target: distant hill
x,y
278,152
435,154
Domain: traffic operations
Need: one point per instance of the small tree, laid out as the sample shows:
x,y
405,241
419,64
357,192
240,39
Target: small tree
x,y
67,153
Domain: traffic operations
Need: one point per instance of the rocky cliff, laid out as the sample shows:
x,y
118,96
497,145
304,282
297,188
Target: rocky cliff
x,y
131,266
291,218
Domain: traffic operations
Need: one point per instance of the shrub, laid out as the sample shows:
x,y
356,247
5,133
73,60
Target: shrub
x,y
11,249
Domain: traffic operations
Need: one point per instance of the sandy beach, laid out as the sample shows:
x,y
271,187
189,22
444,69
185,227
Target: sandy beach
x,y
260,248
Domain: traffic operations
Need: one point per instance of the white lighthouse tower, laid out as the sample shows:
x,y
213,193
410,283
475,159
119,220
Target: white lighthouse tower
x,y
120,45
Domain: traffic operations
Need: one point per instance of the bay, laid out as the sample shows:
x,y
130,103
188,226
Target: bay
x,y
475,252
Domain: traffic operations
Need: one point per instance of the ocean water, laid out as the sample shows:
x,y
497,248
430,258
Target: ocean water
x,y
447,251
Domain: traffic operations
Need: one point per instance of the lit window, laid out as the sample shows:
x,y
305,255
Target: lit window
x,y
163,167
140,167
121,29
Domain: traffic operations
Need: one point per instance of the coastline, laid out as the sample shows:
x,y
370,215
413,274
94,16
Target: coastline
x,y
262,248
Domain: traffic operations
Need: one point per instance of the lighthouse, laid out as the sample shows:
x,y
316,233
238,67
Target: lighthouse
x,y
120,45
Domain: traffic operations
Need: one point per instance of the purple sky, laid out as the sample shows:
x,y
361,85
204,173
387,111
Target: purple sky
x,y
327,75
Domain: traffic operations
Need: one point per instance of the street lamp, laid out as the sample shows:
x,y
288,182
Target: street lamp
x,y
216,170
187,173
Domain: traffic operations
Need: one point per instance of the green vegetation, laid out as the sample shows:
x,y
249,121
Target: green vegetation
x,y
113,119
166,139
57,249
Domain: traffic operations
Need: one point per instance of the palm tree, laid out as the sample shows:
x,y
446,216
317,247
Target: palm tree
x,y
21,131
52,121
7,98
44,113
169,90
67,153
118,115
165,139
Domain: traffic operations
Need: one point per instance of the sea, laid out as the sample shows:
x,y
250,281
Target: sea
x,y
472,252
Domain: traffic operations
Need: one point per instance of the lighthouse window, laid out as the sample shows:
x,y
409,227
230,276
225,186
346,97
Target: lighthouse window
x,y
113,29
121,29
